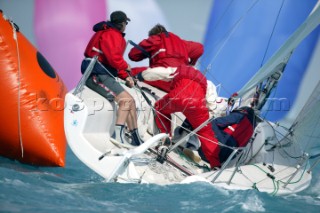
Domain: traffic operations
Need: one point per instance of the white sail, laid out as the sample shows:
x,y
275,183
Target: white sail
x,y
307,124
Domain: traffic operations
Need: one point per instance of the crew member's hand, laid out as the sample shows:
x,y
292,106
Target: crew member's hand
x,y
128,68
129,82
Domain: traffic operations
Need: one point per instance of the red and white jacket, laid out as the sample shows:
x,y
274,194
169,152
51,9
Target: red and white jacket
x,y
109,43
167,50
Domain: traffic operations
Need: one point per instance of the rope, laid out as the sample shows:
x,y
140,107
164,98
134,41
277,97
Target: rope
x,y
157,111
15,37
276,183
273,29
267,176
226,38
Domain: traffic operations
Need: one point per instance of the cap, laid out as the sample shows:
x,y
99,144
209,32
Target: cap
x,y
118,17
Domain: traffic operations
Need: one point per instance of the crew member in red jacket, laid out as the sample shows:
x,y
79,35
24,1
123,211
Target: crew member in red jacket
x,y
185,85
234,130
165,49
187,92
109,44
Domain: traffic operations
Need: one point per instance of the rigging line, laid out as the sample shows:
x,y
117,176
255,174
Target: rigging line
x,y
140,104
281,147
309,110
194,132
140,48
170,161
155,112
185,87
313,165
170,119
279,142
146,53
277,132
15,37
314,129
223,15
301,134
246,177
226,38
274,89
215,26
147,100
232,30
299,178
264,171
283,151
221,86
272,32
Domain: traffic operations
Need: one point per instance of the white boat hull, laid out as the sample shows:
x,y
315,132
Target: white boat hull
x,y
89,125
272,162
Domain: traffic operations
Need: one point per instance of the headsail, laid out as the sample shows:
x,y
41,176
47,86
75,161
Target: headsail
x,y
307,123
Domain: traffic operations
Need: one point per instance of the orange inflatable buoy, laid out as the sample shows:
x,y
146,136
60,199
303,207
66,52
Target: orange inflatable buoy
x,y
32,105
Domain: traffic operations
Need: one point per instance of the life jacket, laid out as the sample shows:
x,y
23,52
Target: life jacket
x,y
243,129
172,52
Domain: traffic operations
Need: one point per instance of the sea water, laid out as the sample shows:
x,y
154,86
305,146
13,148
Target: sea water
x,y
76,188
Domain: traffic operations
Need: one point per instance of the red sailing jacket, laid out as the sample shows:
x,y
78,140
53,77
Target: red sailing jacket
x,y
241,131
167,50
109,43
195,51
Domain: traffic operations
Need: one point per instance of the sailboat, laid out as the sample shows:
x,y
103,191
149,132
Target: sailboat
x,y
274,161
